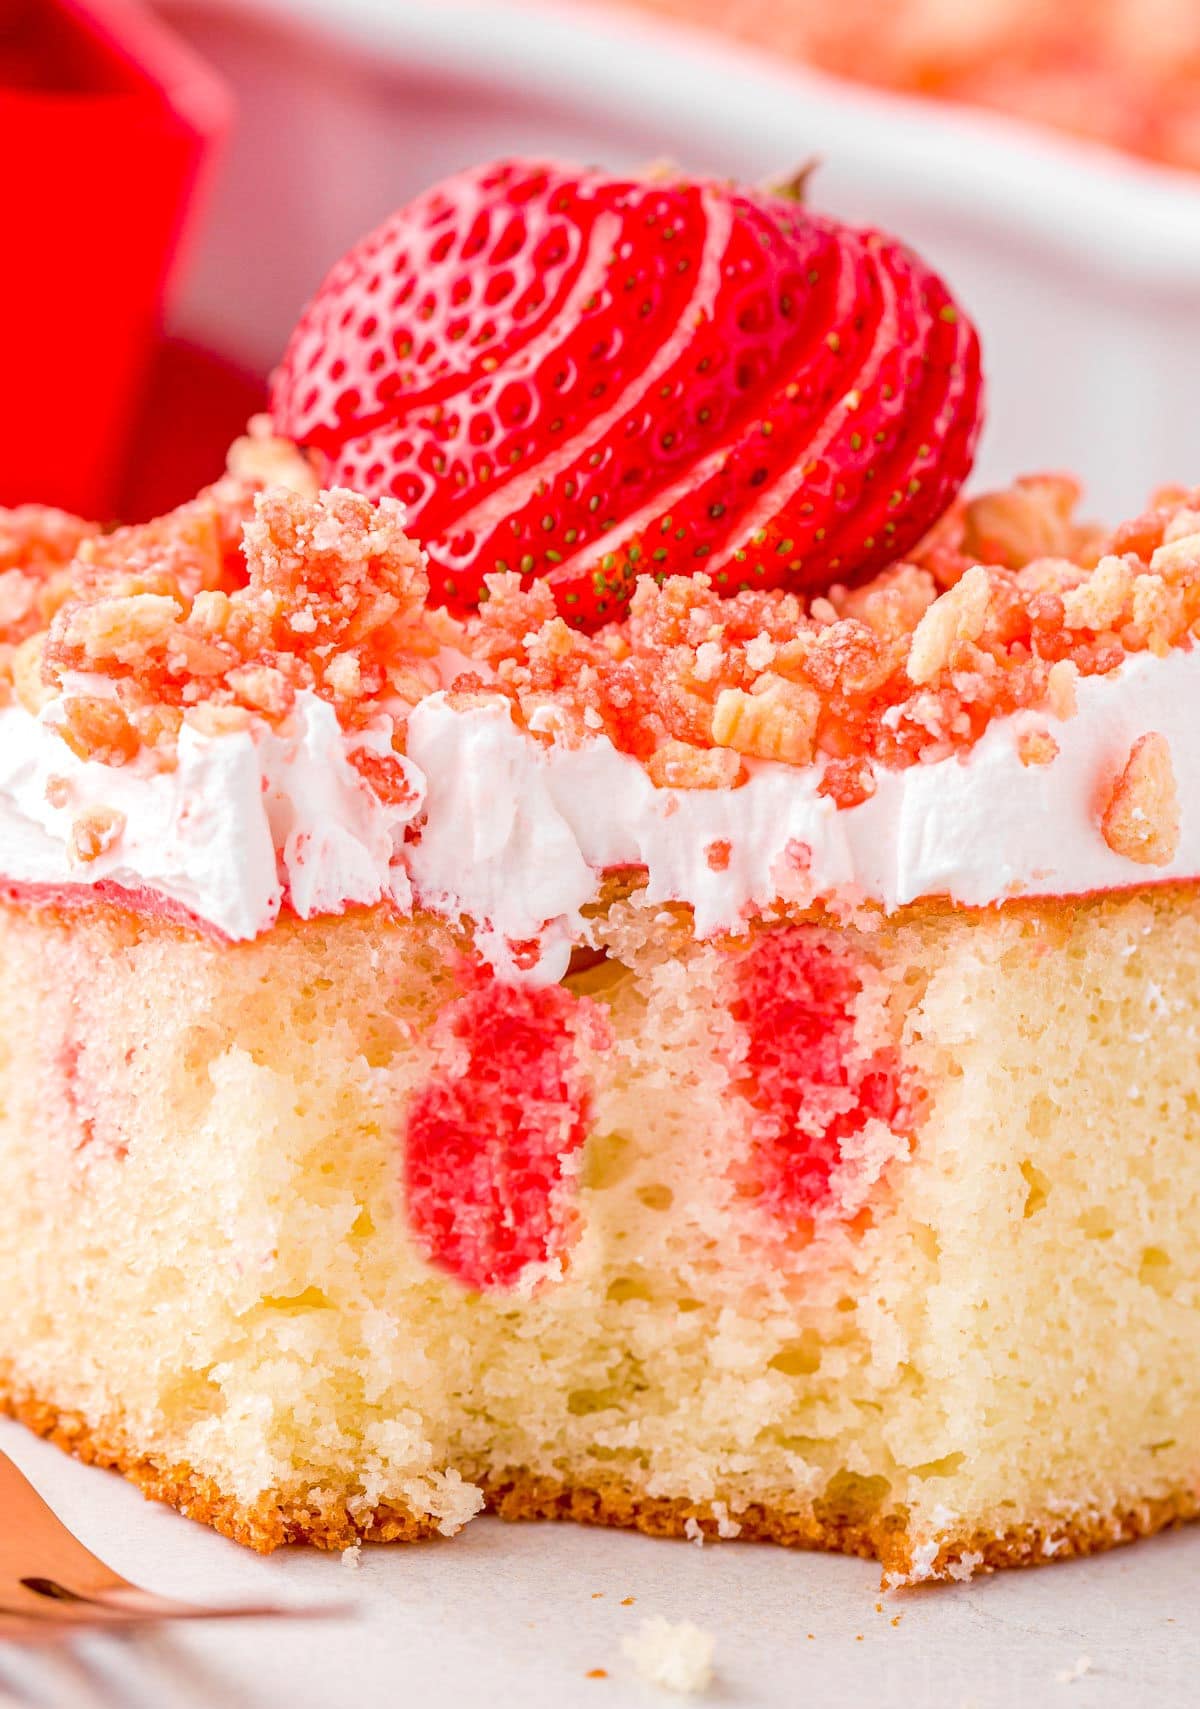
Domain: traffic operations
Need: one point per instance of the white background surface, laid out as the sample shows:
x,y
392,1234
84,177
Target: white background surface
x,y
508,1617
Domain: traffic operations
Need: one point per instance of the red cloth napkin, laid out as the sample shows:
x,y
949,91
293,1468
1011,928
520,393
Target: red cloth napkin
x,y
105,122
194,405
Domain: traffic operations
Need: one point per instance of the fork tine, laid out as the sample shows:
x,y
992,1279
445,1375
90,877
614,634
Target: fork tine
x,y
91,1616
134,1607
48,1579
34,1542
16,1629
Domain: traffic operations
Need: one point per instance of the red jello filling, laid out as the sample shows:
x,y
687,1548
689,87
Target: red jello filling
x,y
492,1133
813,1082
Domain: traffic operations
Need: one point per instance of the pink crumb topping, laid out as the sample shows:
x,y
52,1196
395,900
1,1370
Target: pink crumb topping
x,y
1007,601
220,613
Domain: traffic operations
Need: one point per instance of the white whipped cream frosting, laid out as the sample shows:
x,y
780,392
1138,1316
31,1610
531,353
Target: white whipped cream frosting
x,y
514,833
242,821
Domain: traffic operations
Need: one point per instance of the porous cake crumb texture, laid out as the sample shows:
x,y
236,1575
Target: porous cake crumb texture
x,y
917,1280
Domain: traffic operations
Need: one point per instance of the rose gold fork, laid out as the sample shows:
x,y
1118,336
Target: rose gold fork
x,y
50,1582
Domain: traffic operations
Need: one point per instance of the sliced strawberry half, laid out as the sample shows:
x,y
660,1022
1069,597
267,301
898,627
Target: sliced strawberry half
x,y
586,378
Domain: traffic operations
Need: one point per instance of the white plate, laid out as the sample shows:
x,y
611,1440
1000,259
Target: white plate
x,y
515,1617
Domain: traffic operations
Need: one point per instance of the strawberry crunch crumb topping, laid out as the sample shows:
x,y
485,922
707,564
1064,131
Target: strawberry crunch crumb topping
x,y
1114,71
907,668
218,614
94,832
1141,820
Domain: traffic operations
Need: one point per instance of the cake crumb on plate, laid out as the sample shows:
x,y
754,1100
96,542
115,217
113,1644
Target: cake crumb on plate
x,y
674,1654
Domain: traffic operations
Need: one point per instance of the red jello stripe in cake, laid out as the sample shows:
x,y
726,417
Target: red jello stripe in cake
x,y
491,1134
81,1104
805,1070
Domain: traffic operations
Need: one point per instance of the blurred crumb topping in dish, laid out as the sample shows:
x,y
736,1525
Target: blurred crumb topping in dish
x,y
1122,72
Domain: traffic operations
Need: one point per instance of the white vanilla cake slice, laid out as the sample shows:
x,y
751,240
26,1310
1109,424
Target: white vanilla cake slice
x,y
660,1044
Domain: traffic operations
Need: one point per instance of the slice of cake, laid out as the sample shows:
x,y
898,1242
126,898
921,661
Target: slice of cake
x,y
676,1011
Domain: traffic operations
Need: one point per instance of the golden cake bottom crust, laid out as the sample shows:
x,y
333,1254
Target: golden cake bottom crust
x,y
265,1526
515,1495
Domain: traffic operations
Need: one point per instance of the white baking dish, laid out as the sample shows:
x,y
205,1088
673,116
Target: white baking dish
x,y
1081,268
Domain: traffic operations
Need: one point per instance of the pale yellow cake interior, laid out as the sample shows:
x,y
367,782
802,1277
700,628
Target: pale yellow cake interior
x,y
206,1271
